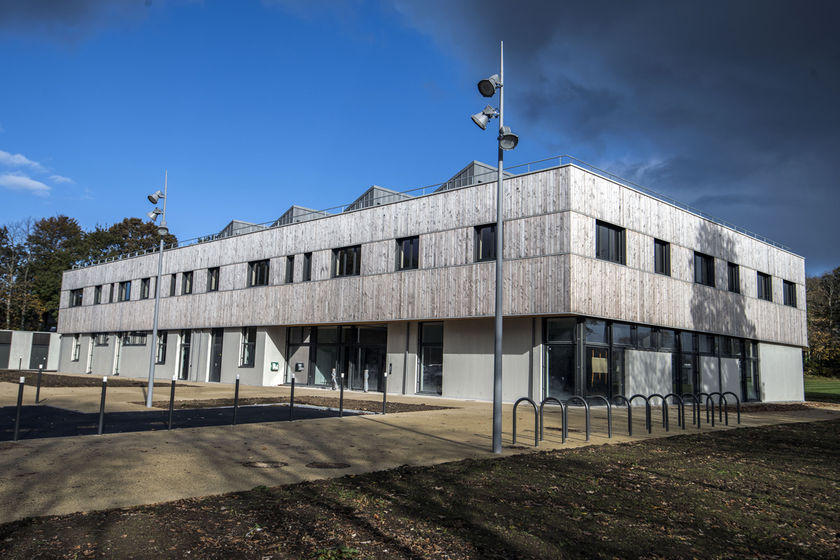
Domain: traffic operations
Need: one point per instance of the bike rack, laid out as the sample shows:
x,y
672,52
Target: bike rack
x,y
563,418
629,413
680,409
723,408
695,409
737,404
664,409
609,411
647,409
566,415
707,407
536,421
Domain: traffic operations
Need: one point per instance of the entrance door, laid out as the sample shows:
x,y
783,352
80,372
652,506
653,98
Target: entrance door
x,y
373,360
5,347
184,371
40,350
117,352
216,356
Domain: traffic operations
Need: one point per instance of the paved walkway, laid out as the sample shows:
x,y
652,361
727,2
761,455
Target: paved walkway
x,y
64,475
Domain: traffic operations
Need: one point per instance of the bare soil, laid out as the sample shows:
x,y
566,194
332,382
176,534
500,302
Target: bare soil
x,y
60,380
327,402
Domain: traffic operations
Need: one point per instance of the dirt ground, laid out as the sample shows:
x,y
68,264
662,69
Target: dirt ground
x,y
60,380
328,402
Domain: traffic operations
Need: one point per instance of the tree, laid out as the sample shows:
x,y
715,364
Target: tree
x,y
125,237
823,296
20,308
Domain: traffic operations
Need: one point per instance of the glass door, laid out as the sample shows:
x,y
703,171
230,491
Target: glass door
x,y
216,356
184,371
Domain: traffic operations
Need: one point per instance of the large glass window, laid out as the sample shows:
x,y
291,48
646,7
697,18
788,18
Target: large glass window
x,y
160,353
347,261
408,253
213,279
609,242
560,347
789,292
704,269
248,345
734,277
144,288
749,372
662,257
485,243
765,286
431,358
76,297
125,291
187,283
258,273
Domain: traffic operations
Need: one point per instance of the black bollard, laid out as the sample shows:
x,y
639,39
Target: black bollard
x,y
171,401
38,384
385,388
341,398
19,405
292,399
102,406
236,400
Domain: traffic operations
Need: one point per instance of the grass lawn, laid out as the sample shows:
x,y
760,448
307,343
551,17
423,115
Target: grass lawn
x,y
754,492
822,389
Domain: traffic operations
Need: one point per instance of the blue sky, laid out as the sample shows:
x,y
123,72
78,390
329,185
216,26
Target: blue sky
x,y
254,106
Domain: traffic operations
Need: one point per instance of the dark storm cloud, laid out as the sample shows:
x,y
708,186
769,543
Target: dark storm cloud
x,y
729,106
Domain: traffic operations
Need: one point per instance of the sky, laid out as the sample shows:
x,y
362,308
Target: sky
x,y
252,106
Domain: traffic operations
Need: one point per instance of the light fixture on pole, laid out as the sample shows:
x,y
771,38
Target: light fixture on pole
x,y
162,231
507,141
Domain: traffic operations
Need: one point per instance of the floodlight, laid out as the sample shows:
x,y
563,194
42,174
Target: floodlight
x,y
487,87
154,213
507,139
154,197
481,119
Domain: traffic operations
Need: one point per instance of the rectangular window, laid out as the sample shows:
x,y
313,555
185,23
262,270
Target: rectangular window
x,y
186,283
704,269
100,340
160,351
213,279
145,288
485,243
125,291
734,276
707,344
662,257
249,343
765,286
111,295
789,290
431,358
97,295
134,339
408,253
347,261
258,273
76,347
76,297
290,269
173,278
609,242
307,267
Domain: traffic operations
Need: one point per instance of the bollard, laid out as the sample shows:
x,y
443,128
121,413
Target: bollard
x,y
366,374
236,399
292,399
385,389
171,401
102,406
38,384
341,398
19,406
20,363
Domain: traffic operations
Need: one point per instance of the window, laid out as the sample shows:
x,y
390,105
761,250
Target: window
x,y
609,242
125,291
186,283
347,261
431,358
307,267
408,253
145,288
76,297
134,339
249,343
213,279
173,278
765,286
485,243
789,292
704,269
290,269
100,340
111,295
707,344
160,351
76,347
97,295
258,273
734,275
662,257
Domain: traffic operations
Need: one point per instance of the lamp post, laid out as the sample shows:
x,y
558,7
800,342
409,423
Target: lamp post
x,y
162,231
507,141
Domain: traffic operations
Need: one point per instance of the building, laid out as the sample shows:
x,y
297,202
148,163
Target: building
x,y
29,350
609,289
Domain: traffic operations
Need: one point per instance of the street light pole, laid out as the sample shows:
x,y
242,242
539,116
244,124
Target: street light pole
x,y
162,231
500,239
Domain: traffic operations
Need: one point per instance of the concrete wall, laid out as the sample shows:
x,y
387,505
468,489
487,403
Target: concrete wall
x,y
730,373
20,350
780,373
648,373
709,375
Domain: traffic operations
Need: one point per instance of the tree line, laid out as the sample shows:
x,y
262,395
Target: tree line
x,y
823,355
35,253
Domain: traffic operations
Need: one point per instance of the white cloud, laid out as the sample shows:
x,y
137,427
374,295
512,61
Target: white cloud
x,y
22,183
61,179
19,160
